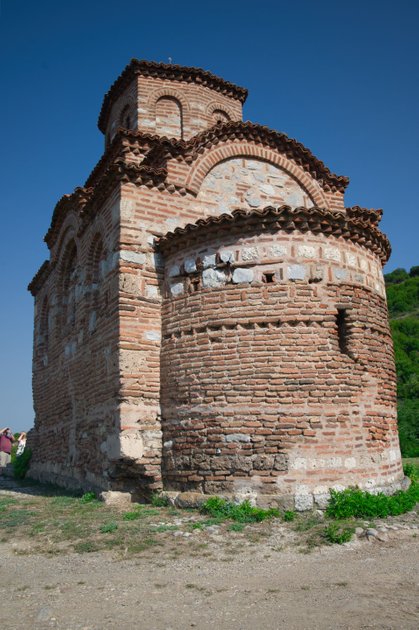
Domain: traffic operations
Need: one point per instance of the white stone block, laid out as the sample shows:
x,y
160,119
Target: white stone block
x,y
213,278
208,261
278,251
306,251
332,253
226,256
249,253
152,335
173,271
296,272
177,288
243,275
190,265
152,291
137,258
237,437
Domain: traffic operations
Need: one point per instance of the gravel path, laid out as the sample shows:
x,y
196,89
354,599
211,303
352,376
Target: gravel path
x,y
361,585
367,583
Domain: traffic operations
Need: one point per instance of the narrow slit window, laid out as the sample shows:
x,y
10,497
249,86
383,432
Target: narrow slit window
x,y
342,325
268,277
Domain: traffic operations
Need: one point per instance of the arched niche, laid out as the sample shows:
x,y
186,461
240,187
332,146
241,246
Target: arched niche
x,y
169,118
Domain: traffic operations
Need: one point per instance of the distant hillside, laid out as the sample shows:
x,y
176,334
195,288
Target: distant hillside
x,y
403,304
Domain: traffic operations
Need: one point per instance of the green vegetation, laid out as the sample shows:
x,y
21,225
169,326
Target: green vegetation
x,y
21,464
403,303
243,512
288,516
337,534
159,500
353,502
88,497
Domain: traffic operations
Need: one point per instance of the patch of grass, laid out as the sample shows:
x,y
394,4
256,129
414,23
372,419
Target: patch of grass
x,y
236,527
15,518
159,529
159,500
289,516
304,523
63,501
5,502
132,516
87,546
138,547
88,497
197,525
338,534
243,512
108,528
353,502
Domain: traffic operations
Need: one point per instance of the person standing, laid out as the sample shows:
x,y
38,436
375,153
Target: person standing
x,y
6,441
21,443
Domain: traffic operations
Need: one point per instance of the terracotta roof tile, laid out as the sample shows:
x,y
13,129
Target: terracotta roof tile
x,y
358,226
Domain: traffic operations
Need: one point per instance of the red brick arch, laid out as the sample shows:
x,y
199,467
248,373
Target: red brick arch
x,y
67,232
214,105
166,92
205,163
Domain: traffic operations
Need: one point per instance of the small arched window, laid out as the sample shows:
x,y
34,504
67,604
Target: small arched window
x,y
97,260
218,115
125,118
169,117
69,283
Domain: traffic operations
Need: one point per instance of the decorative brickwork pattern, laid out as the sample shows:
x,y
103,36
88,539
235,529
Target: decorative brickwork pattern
x,y
211,317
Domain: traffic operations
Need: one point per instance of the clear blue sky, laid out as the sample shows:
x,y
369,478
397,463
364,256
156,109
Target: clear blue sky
x,y
341,77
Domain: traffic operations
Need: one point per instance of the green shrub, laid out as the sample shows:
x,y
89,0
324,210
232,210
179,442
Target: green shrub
x,y
289,515
159,500
411,471
408,415
243,512
337,534
353,502
21,464
88,497
132,516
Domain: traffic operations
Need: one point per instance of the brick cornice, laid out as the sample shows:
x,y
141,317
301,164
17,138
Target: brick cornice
x,y
359,225
75,201
166,71
291,148
40,277
121,162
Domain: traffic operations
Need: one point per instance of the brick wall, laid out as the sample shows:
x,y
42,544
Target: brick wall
x,y
260,392
255,358
75,364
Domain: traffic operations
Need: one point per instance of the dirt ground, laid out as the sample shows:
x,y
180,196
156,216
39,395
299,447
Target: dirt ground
x,y
212,579
361,585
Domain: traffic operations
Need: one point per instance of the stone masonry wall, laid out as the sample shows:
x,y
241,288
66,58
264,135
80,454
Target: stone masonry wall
x,y
200,108
75,364
253,362
258,394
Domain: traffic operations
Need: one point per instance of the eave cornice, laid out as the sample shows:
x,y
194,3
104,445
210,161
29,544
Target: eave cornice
x,y
359,226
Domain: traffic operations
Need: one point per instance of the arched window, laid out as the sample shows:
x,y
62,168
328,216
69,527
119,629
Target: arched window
x,y
69,282
125,118
219,116
44,327
97,260
169,121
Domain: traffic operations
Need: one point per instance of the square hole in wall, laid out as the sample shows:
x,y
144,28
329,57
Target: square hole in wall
x,y
268,277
